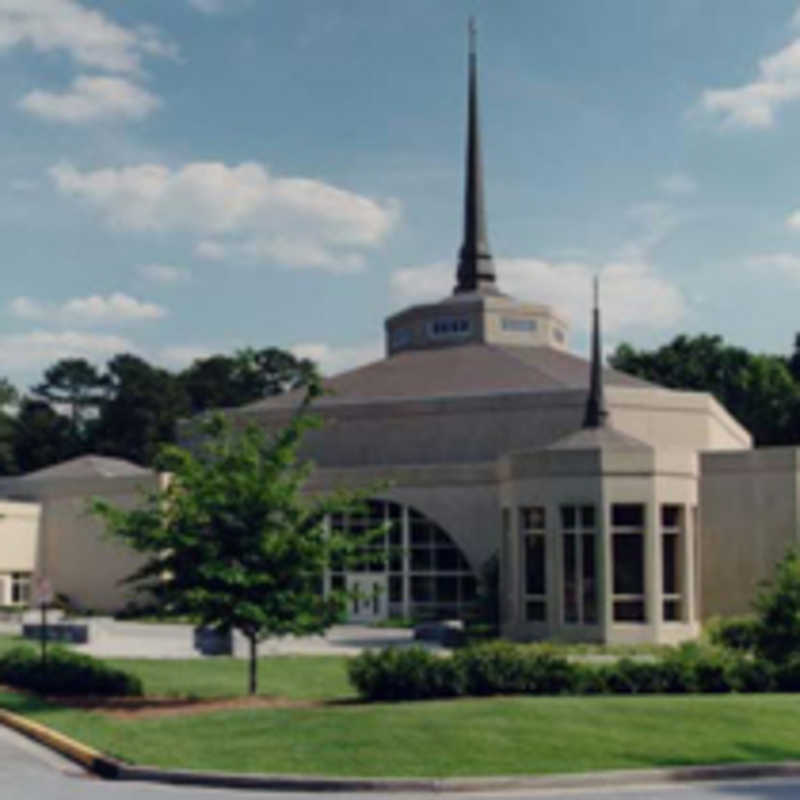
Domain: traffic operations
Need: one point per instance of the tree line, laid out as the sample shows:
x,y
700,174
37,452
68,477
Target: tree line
x,y
761,390
130,408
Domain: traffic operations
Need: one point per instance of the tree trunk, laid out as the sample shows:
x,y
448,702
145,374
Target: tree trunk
x,y
253,664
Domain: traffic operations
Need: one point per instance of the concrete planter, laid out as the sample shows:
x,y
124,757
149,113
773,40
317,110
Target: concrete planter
x,y
213,641
448,632
72,633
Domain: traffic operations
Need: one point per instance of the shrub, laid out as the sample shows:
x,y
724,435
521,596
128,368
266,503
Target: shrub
x,y
733,633
591,679
405,674
777,630
751,675
64,673
503,668
699,668
787,674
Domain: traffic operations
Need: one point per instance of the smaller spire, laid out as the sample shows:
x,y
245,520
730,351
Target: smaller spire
x,y
596,412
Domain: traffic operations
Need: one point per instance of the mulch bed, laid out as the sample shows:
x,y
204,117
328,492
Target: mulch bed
x,y
154,707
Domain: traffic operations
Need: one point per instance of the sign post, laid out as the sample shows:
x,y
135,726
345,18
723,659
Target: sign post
x,y
43,597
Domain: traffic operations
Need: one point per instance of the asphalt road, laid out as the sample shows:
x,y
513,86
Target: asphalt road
x,y
30,772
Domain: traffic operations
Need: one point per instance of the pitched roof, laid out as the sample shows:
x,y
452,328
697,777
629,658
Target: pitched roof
x,y
474,369
89,466
600,438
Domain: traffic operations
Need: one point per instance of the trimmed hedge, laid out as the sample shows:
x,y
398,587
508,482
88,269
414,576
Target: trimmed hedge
x,y
735,633
504,668
65,673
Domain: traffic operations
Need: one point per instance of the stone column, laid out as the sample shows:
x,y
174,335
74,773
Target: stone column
x,y
653,581
688,565
605,572
406,547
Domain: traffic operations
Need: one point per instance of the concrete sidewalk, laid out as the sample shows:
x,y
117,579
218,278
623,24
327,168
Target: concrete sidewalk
x,y
109,638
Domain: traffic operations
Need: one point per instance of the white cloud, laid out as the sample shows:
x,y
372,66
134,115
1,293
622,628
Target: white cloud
x,y
88,36
332,359
291,220
678,183
115,307
91,98
633,295
165,274
787,264
793,221
211,250
302,254
217,6
180,356
27,352
753,105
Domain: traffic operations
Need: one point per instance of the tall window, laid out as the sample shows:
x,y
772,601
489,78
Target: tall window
x,y
627,537
671,561
580,564
534,542
21,588
427,573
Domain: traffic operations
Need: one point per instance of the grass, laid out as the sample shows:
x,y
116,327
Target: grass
x,y
496,736
294,677
468,737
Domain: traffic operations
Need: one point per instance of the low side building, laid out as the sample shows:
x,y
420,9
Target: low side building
x,y
49,532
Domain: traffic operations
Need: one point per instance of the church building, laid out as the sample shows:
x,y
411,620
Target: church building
x,y
612,509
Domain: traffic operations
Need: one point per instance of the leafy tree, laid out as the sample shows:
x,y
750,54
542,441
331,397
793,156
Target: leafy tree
x,y
73,382
759,390
240,544
141,410
777,628
8,397
42,436
249,375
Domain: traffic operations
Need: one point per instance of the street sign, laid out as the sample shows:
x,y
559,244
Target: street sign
x,y
43,591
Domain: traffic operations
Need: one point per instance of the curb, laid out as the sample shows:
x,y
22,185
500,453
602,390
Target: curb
x,y
105,767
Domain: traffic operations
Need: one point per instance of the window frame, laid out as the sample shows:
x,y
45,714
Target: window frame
x,y
578,531
533,525
678,532
629,597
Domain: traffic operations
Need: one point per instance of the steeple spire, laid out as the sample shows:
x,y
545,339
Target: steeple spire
x,y
596,412
475,266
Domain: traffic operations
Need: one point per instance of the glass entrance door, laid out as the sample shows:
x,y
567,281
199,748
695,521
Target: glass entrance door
x,y
369,601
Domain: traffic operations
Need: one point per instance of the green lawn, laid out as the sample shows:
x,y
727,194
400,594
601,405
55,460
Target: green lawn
x,y
295,677
465,737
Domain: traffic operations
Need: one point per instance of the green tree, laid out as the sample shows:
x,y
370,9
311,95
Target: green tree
x,y
227,381
777,628
140,411
75,383
759,390
42,436
9,398
233,540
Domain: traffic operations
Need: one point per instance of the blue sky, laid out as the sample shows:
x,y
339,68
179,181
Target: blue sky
x,y
182,177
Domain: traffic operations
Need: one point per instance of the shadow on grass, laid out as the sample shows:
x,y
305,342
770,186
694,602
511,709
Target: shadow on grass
x,y
743,753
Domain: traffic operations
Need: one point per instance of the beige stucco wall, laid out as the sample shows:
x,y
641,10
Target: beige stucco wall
x,y
74,551
600,479
749,516
462,499
19,536
474,429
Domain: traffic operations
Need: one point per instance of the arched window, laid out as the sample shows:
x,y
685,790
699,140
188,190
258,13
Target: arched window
x,y
424,572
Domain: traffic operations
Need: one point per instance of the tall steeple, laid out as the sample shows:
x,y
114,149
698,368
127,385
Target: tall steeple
x,y
475,265
596,412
